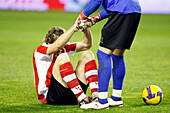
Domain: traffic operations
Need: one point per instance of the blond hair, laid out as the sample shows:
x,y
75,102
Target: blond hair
x,y
53,34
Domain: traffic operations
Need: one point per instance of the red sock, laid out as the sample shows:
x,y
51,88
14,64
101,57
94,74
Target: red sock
x,y
91,74
68,75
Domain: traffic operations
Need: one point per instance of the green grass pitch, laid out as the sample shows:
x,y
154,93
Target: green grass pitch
x,y
148,61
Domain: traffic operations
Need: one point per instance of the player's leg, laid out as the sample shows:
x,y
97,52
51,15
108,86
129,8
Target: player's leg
x,y
88,66
118,77
110,39
86,72
63,72
104,74
128,25
59,93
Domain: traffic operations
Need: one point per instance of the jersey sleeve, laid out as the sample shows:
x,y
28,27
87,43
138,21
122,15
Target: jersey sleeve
x,y
70,48
92,7
104,14
41,53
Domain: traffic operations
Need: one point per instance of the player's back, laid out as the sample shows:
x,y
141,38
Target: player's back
x,y
122,6
43,65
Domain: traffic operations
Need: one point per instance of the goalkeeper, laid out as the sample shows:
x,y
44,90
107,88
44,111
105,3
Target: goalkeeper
x,y
116,36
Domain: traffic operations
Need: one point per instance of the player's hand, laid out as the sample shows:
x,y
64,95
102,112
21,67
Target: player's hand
x,y
75,28
81,20
79,24
89,22
96,18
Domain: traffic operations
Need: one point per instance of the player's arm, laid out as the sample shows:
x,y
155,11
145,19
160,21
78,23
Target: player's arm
x,y
91,7
101,16
87,41
61,41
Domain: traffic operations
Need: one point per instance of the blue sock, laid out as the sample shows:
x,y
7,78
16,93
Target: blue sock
x,y
103,101
119,70
116,98
104,73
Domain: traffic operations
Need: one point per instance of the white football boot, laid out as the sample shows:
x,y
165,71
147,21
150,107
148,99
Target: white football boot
x,y
101,106
87,106
95,105
84,103
115,103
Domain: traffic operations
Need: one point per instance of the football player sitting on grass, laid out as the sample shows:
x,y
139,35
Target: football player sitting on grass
x,y
56,82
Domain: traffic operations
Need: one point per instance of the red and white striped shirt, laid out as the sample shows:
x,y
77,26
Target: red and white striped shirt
x,y
43,66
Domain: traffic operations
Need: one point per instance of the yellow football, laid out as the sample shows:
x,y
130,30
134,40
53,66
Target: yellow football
x,y
152,95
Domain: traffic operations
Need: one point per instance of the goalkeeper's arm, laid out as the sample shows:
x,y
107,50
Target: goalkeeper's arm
x,y
92,7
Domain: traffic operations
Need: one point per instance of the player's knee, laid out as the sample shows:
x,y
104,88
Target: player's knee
x,y
88,55
63,58
119,52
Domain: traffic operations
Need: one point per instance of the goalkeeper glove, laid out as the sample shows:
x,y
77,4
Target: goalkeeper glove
x,y
82,20
82,16
96,18
79,24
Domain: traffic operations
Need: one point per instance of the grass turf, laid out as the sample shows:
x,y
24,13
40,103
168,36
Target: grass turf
x,y
148,61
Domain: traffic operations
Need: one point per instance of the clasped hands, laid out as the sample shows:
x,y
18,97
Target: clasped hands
x,y
83,22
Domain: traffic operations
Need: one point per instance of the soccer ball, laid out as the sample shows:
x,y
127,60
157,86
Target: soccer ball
x,y
152,95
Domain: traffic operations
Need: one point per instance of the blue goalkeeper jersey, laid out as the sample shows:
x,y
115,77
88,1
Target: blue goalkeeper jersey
x,y
122,6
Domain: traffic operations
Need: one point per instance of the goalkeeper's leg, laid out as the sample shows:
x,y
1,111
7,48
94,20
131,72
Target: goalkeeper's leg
x,y
118,77
104,72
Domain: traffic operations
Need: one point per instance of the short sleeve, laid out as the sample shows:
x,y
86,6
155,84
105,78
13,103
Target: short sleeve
x,y
70,48
41,53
